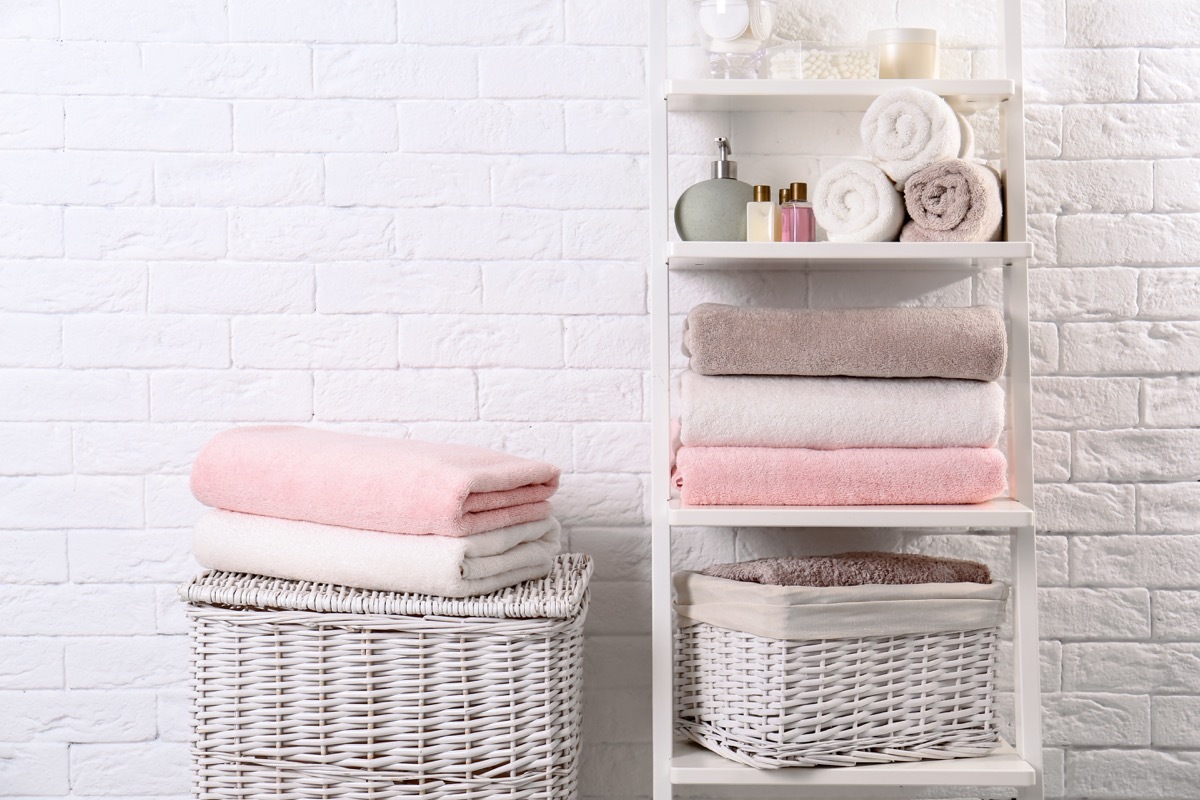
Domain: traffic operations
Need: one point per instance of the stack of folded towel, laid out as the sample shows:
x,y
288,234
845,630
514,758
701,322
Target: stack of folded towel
x,y
873,406
373,513
921,161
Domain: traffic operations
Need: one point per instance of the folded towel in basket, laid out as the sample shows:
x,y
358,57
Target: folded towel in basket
x,y
856,202
453,566
853,569
785,476
860,342
907,129
832,413
953,201
373,483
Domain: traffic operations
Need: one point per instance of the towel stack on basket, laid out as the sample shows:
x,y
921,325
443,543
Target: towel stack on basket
x,y
418,636
857,658
838,407
921,161
373,513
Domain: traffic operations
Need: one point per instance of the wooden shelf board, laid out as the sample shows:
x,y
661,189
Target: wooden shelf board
x,y
693,764
999,513
819,255
835,95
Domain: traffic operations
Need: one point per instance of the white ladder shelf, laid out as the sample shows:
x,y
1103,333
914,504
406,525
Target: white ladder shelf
x,y
1018,766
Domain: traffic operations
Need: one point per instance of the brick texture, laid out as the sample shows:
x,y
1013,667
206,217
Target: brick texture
x,y
430,219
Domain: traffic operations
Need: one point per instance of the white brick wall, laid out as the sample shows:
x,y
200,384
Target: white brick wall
x,y
430,219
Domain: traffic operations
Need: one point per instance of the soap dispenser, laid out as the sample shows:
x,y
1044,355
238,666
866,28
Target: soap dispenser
x,y
715,210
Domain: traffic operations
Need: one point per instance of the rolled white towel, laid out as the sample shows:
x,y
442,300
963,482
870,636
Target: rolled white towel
x,y
907,129
856,201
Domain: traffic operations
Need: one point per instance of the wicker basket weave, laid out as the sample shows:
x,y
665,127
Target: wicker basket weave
x,y
304,690
773,703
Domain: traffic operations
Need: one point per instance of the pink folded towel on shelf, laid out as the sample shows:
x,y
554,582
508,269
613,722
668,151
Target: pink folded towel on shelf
x,y
372,483
784,476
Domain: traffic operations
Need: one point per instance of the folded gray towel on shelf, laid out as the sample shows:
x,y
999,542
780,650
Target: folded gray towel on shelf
x,y
964,343
953,201
853,569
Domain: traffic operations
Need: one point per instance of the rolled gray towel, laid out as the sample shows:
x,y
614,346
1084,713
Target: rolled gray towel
x,y
966,343
853,569
953,201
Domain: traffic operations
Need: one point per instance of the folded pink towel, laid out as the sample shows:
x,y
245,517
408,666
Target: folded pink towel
x,y
785,476
372,483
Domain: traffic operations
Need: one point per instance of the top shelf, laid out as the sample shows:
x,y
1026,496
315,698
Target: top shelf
x,y
826,255
830,95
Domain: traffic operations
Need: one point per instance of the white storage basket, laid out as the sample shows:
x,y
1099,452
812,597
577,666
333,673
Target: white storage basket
x,y
776,676
303,690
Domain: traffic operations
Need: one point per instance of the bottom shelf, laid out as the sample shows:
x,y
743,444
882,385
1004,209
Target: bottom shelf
x,y
693,764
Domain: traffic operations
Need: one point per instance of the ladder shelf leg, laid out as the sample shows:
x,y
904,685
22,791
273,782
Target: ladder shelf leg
x,y
1027,704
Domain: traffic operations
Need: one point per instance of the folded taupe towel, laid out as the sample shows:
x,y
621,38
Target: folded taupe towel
x,y
966,343
953,201
853,569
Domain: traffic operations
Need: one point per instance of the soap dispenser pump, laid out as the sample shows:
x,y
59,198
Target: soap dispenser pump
x,y
715,210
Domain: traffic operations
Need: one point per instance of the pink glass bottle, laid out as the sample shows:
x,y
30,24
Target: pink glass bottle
x,y
799,224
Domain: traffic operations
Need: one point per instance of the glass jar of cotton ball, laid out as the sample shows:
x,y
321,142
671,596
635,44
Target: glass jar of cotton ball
x,y
813,61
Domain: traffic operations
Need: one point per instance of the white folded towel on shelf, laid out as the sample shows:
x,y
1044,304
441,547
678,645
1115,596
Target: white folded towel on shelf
x,y
855,201
907,129
453,566
838,413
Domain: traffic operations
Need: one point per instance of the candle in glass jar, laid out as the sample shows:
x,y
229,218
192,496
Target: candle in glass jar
x,y
906,52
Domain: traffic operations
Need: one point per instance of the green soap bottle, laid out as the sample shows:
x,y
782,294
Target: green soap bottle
x,y
715,210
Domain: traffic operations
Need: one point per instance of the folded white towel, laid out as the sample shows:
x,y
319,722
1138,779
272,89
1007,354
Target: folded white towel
x,y
856,201
837,413
453,566
907,129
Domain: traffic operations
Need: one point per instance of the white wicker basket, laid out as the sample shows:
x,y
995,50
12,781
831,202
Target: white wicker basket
x,y
772,703
303,690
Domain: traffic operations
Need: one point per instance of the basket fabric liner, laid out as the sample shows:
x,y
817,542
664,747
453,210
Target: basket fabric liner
x,y
805,612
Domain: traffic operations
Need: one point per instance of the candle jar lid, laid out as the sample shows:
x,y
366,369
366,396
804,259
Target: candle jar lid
x,y
903,36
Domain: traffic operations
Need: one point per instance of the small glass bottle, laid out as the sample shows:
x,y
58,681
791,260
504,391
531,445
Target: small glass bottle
x,y
799,224
760,216
785,196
